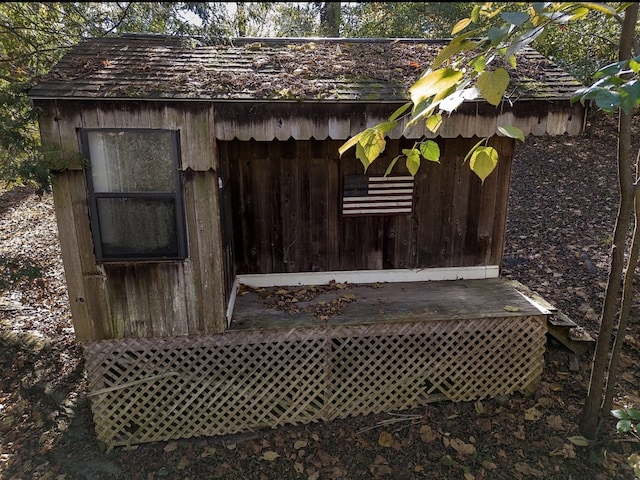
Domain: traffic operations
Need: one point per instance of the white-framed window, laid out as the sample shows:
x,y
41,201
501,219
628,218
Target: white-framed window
x,y
135,194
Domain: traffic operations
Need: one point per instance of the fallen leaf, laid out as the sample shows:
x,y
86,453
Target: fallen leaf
x,y
270,456
527,470
579,441
532,414
555,422
208,452
427,434
510,308
385,439
461,447
183,463
488,465
170,447
300,444
298,467
567,451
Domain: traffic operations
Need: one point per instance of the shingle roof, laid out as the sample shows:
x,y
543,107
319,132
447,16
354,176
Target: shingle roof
x,y
182,68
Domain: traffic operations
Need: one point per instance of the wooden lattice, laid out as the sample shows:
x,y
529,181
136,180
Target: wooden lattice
x,y
146,390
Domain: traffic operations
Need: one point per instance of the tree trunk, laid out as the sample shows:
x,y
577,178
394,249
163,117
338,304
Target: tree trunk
x,y
330,19
593,412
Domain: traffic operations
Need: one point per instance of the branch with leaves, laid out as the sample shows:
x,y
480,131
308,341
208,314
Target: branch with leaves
x,y
473,66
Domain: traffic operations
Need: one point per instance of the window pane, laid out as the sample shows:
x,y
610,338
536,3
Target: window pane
x,y
137,227
132,161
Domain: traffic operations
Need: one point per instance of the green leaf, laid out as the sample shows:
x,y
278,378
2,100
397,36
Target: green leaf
x,y
430,150
512,132
620,414
475,13
515,18
433,122
457,45
523,40
630,92
496,35
392,164
633,414
350,143
492,85
623,426
600,7
479,64
370,146
413,160
433,83
608,100
579,441
483,161
386,127
472,150
579,13
461,25
394,116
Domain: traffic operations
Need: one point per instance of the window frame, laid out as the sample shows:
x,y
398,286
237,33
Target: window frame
x,y
177,196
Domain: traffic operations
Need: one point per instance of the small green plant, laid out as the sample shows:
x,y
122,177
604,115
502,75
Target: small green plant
x,y
628,422
607,241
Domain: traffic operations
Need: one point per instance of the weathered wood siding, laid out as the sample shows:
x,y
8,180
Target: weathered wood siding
x,y
266,121
141,299
286,209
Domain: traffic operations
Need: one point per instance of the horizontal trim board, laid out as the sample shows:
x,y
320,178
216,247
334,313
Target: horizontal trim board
x,y
369,276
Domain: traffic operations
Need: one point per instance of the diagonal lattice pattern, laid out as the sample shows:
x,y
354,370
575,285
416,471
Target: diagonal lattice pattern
x,y
146,390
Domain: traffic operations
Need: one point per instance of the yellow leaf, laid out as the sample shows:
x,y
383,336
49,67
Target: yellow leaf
x,y
413,160
461,25
483,161
270,456
433,83
509,308
433,122
492,85
532,414
385,439
370,146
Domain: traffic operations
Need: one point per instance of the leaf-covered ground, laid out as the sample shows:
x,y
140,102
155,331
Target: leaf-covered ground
x,y
560,221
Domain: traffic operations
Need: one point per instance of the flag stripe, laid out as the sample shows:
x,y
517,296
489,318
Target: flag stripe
x,y
364,195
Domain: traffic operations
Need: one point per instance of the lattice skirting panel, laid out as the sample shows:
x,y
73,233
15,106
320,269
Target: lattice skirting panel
x,y
145,390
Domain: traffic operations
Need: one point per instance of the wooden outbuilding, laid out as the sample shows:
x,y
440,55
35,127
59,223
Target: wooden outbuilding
x,y
227,269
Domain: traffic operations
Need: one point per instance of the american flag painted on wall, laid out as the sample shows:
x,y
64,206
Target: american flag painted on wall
x,y
366,195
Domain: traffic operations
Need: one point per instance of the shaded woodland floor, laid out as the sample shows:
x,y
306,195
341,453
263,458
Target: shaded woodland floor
x,y
561,215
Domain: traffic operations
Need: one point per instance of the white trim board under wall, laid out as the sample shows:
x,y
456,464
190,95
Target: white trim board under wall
x,y
360,276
